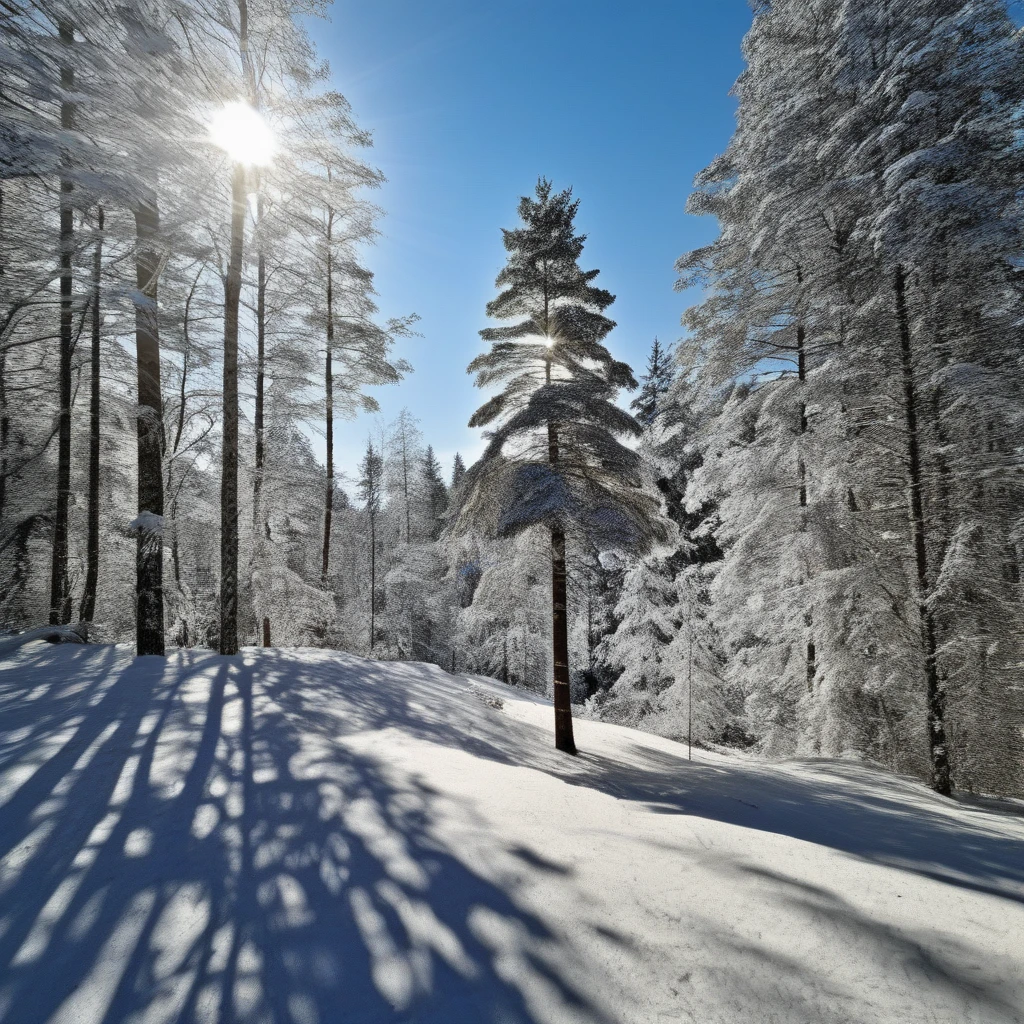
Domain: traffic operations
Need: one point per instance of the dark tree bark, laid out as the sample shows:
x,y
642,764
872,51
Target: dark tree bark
x,y
405,485
261,369
92,544
811,656
564,739
5,419
229,446
329,410
149,555
811,653
373,580
259,520
5,439
175,552
60,595
937,748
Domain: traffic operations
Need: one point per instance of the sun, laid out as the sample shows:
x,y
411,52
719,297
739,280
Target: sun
x,y
243,134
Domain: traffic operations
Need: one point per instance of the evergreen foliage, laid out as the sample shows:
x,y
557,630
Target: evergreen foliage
x,y
655,385
554,456
808,538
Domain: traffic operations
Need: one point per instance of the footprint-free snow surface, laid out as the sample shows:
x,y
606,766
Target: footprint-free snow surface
x,y
305,837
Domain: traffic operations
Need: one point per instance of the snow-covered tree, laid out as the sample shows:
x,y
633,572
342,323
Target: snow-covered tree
x,y
646,623
654,385
458,470
433,494
554,457
857,286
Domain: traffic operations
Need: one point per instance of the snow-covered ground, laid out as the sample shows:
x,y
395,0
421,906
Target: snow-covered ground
x,y
304,837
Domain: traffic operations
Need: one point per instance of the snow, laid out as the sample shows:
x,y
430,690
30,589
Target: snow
x,y
77,634
306,837
149,524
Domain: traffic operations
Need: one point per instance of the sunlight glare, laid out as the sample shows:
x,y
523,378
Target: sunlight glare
x,y
243,134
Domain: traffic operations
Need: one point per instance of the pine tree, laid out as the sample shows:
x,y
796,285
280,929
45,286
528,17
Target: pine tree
x,y
435,494
655,384
553,457
458,470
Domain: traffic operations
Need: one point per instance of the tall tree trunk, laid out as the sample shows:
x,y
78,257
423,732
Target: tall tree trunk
x,y
5,438
149,558
373,581
5,419
801,365
92,543
937,748
811,656
60,595
564,739
405,483
175,552
590,627
329,410
261,367
229,446
260,524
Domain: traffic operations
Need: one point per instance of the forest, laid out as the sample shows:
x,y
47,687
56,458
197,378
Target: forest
x,y
797,531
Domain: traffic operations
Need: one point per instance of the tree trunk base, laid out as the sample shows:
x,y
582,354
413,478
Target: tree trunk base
x,y
564,739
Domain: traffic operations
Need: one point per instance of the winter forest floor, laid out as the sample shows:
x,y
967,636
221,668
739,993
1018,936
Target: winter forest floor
x,y
305,837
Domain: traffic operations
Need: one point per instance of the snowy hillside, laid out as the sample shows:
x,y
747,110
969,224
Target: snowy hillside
x,y
304,837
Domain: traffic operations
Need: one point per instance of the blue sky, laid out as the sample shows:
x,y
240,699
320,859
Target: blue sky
x,y
471,101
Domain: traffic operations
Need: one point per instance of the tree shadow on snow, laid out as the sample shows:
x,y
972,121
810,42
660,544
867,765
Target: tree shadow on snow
x,y
186,842
858,810
852,808
934,976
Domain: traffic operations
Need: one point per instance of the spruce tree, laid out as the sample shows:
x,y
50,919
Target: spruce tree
x,y
554,457
435,494
655,384
458,471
